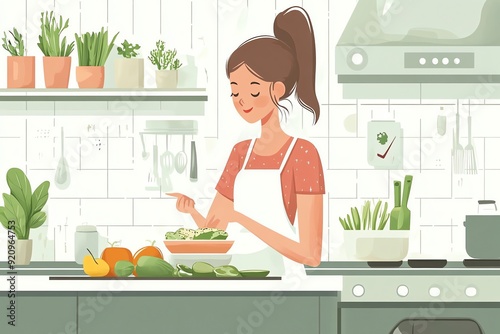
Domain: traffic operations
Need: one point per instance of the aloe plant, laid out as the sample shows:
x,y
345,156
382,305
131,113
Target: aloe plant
x,y
93,49
16,49
128,50
50,37
368,220
164,59
21,206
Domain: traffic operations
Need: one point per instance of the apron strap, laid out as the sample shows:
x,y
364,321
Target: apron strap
x,y
250,148
287,155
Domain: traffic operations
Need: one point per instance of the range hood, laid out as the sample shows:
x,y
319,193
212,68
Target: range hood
x,y
430,49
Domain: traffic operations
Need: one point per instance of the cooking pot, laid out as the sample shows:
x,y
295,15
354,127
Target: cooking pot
x,y
482,234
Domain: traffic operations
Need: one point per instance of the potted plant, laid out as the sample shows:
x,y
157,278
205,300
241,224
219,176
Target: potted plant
x,y
56,60
367,238
167,65
93,51
20,68
129,70
22,211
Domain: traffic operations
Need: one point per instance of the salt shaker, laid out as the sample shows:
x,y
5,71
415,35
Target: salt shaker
x,y
86,236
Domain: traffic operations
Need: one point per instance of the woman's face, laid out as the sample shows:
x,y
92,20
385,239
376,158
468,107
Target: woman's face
x,y
252,96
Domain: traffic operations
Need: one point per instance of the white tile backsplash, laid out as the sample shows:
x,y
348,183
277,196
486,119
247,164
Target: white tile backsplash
x,y
108,185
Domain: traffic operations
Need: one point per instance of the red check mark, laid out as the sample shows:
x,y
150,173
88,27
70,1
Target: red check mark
x,y
383,156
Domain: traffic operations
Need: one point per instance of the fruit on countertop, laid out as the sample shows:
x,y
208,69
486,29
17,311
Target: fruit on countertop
x,y
124,268
204,233
150,250
150,266
94,267
114,254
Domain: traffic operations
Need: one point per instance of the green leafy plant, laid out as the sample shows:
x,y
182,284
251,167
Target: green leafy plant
x,y
93,49
164,59
16,49
376,220
128,50
22,206
49,39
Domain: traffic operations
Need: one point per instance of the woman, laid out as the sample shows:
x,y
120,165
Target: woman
x,y
274,183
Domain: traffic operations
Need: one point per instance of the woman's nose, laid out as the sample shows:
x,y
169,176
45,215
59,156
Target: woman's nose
x,y
241,102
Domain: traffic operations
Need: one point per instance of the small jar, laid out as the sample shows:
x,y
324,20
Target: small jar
x,y
86,236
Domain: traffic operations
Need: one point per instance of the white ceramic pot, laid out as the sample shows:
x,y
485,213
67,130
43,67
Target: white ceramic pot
x,y
166,78
129,73
368,245
23,251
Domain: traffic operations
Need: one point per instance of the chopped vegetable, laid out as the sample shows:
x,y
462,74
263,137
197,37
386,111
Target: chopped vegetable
x,y
227,271
124,268
204,233
254,273
203,269
185,268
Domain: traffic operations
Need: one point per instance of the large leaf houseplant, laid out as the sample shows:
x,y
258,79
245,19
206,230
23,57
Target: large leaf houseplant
x,y
93,51
56,51
22,211
20,67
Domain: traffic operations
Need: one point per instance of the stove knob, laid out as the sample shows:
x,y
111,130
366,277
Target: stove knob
x,y
471,291
358,290
434,292
403,290
445,61
456,61
422,61
435,61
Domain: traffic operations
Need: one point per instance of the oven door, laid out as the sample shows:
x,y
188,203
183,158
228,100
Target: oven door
x,y
421,318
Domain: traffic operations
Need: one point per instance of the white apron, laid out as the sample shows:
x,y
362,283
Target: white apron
x,y
258,195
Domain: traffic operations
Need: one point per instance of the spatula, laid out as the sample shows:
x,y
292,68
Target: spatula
x,y
397,206
404,213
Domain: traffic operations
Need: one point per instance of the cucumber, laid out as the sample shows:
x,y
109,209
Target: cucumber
x,y
203,269
254,273
124,268
185,268
227,271
150,266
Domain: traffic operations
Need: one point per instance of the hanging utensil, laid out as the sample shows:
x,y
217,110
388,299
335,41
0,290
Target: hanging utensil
x,y
470,155
181,158
193,173
62,178
167,167
459,152
441,123
154,182
397,206
145,154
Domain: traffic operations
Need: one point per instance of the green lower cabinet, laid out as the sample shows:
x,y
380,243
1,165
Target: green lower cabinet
x,y
238,314
38,313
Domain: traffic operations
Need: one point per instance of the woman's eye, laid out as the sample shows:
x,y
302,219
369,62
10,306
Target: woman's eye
x,y
235,95
255,95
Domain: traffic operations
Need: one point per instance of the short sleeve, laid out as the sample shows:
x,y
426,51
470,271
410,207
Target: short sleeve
x,y
225,186
308,174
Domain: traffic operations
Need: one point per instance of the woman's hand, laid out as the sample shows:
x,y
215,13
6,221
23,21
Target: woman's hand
x,y
184,203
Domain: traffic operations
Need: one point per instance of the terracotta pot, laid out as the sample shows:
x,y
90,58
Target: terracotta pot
x,y
166,78
90,76
20,72
129,73
56,71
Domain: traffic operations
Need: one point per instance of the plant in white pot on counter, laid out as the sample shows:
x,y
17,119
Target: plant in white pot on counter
x,y
93,51
129,70
167,65
20,67
21,212
367,238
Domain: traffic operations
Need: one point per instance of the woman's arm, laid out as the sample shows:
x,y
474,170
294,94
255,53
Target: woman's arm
x,y
220,204
310,217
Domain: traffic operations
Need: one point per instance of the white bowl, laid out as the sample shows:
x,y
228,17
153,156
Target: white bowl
x,y
188,259
386,245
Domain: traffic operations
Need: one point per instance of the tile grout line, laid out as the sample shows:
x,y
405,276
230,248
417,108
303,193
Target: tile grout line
x,y
161,26
133,17
191,24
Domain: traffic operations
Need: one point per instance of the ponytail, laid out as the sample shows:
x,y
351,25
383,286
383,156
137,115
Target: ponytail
x,y
293,27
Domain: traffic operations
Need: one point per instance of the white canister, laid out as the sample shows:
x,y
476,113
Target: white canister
x,y
86,236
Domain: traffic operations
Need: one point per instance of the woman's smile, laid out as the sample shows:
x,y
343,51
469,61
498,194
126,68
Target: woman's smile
x,y
247,110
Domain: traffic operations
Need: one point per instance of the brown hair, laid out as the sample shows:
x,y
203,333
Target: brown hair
x,y
290,57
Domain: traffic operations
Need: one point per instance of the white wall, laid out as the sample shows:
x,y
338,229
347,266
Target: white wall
x,y
108,184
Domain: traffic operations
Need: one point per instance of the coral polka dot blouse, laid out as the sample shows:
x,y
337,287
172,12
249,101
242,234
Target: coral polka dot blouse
x,y
302,174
